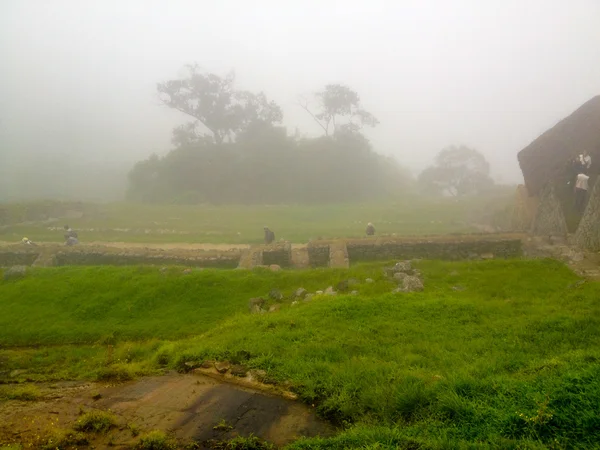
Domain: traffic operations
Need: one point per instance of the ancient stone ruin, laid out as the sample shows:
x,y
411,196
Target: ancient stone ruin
x,y
546,164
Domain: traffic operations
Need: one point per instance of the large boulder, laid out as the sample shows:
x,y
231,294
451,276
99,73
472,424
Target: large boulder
x,y
412,284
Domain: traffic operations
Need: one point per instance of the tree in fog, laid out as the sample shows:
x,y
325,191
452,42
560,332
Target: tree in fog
x,y
215,104
457,170
338,109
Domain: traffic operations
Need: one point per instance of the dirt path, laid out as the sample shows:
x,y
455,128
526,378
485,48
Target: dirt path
x,y
188,406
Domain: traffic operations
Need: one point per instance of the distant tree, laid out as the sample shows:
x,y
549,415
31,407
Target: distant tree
x,y
458,171
335,102
213,102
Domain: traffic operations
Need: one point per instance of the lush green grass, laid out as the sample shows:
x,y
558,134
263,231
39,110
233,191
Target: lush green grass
x,y
509,360
244,224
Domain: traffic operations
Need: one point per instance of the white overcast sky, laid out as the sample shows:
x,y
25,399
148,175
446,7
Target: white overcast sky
x,y
78,78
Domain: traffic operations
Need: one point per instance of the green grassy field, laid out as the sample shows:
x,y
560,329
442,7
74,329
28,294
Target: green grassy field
x,y
509,360
244,224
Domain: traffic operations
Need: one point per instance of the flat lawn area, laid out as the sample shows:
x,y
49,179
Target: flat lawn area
x,y
244,224
495,354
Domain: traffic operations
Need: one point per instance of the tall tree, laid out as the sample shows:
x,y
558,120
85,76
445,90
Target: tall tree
x,y
338,108
214,103
458,170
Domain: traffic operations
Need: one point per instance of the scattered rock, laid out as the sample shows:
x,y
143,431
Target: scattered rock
x,y
222,367
308,297
274,308
343,286
400,276
487,256
96,396
255,304
191,365
238,370
403,266
207,364
187,271
17,372
369,280
454,273
353,282
275,268
295,302
163,270
458,288
319,293
257,374
275,294
300,293
15,272
412,284
354,293
330,291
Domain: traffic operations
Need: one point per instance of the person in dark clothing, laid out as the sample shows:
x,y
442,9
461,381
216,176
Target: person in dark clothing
x,y
370,229
269,236
70,233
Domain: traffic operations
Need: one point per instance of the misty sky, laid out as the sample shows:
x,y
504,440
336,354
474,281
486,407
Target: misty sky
x,y
78,78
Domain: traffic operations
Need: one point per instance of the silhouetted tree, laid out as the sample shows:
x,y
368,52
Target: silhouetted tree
x,y
458,170
335,102
214,102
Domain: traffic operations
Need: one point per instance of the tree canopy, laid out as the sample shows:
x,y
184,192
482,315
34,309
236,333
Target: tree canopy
x,y
339,109
214,102
235,152
457,171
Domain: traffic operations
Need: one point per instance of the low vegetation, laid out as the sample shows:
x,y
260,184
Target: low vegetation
x,y
123,222
156,440
502,354
95,422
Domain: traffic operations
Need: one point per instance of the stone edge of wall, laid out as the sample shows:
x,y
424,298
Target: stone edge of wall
x,y
450,248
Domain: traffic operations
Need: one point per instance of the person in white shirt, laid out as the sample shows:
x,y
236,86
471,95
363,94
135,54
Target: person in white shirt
x,y
581,190
585,160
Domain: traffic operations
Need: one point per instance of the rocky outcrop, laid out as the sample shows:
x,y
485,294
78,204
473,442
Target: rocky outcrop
x,y
549,218
547,158
588,232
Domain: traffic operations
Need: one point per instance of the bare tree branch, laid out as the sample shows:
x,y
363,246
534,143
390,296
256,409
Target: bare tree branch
x,y
303,103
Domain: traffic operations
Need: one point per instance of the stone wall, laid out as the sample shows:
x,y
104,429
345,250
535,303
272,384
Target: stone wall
x,y
549,218
454,249
87,257
10,258
279,254
318,254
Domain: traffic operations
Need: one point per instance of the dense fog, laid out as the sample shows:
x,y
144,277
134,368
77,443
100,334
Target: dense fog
x,y
79,104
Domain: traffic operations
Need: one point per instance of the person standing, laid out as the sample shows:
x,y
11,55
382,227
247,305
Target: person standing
x,y
269,236
370,231
581,190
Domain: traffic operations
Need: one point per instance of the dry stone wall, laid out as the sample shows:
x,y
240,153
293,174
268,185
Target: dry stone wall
x,y
279,254
549,218
588,231
446,250
338,253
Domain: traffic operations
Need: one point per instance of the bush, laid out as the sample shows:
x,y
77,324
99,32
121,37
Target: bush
x,y
96,422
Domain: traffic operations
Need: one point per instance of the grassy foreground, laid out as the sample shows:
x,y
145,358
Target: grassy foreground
x,y
497,354
119,222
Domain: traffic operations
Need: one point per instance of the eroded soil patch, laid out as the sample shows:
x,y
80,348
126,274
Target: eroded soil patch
x,y
190,407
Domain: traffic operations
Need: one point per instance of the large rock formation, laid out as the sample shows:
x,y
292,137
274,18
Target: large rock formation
x,y
549,218
588,232
547,159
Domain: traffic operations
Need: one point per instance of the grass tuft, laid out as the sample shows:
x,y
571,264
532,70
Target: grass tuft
x,y
96,422
156,440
